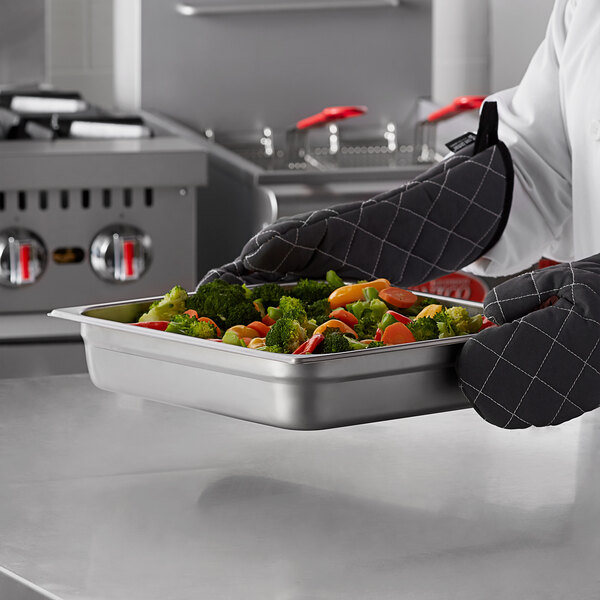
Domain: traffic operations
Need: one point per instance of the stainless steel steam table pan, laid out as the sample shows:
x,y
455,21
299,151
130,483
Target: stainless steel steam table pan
x,y
287,391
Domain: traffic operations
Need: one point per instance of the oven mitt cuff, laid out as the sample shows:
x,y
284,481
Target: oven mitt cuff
x,y
541,366
438,223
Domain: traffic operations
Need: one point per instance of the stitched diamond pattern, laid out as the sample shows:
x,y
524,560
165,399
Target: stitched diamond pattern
x,y
541,366
427,228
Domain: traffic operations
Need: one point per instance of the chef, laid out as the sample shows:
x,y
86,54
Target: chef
x,y
528,187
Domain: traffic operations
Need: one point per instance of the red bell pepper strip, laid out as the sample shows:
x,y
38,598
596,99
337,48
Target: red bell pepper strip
x,y
378,335
268,321
486,323
301,348
310,345
158,325
400,318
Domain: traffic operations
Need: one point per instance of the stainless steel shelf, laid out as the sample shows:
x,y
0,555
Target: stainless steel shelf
x,y
199,10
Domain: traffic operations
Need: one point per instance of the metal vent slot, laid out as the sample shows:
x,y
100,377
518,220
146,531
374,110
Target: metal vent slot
x,y
1,200
21,200
106,198
43,200
127,198
85,198
64,199
148,197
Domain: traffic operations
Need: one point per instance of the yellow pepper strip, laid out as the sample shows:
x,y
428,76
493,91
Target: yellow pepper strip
x,y
334,324
429,311
243,332
354,292
257,342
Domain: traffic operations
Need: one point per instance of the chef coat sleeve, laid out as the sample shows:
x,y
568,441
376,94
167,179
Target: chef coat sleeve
x,y
532,125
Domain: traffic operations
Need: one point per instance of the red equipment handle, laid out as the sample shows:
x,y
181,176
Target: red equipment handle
x,y
331,113
458,105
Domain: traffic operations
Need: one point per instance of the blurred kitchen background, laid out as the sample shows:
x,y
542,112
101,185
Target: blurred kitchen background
x,y
178,140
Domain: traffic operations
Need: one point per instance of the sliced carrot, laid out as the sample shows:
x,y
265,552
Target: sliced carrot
x,y
334,324
398,297
354,292
397,333
344,316
209,320
191,313
261,328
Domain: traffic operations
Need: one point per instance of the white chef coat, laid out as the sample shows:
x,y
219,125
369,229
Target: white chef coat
x,y
551,124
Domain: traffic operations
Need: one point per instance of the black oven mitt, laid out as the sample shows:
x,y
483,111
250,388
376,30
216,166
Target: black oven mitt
x,y
438,223
541,366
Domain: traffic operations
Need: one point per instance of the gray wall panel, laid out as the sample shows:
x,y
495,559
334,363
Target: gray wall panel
x,y
242,72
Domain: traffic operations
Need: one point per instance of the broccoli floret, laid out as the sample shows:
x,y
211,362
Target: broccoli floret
x,y
375,344
277,349
462,322
367,325
227,304
269,294
171,304
319,311
424,328
187,325
288,334
335,341
445,324
311,290
356,344
292,308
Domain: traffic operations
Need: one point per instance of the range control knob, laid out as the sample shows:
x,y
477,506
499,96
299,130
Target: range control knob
x,y
120,253
22,257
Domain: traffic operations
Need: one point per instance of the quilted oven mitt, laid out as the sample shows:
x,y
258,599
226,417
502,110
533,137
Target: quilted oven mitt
x,y
445,219
541,366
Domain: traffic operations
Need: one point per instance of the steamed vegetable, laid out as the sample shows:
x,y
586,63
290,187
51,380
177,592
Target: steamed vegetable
x,y
310,290
397,333
335,324
227,304
188,325
335,341
457,321
286,334
171,304
268,294
424,328
313,317
398,297
318,311
352,293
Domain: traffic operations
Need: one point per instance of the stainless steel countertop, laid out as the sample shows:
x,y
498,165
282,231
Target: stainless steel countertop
x,y
115,498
